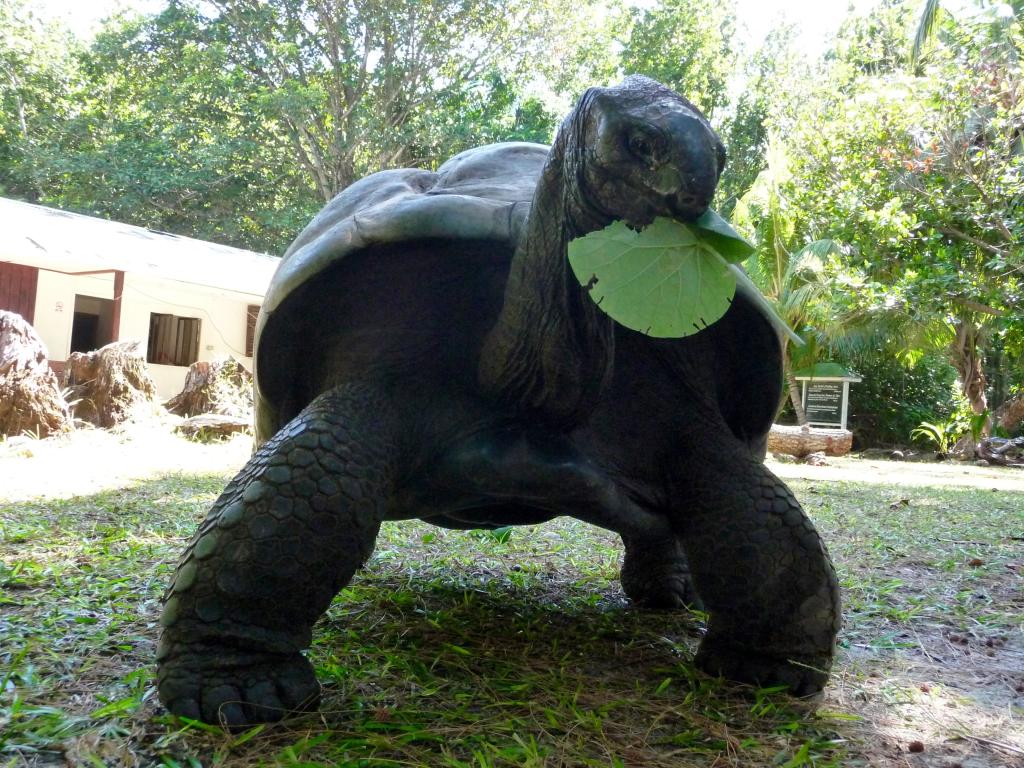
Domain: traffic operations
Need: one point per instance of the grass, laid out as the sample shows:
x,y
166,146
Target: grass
x,y
468,649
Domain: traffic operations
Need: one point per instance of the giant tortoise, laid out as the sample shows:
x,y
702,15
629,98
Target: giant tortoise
x,y
425,351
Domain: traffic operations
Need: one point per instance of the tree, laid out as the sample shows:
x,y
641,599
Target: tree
x,y
932,13
234,121
923,176
791,273
777,78
355,86
686,44
37,73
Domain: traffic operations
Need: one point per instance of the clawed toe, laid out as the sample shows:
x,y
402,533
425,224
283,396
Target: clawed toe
x,y
205,686
803,676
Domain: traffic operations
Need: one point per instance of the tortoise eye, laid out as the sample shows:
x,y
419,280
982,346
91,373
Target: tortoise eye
x,y
640,146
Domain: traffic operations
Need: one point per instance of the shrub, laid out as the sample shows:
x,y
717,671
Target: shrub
x,y
894,398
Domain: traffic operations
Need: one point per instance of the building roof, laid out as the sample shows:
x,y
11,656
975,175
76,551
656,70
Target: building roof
x,y
826,371
70,242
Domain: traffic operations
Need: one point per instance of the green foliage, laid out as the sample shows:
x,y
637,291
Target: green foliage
x,y
37,73
776,78
921,175
895,396
235,121
873,44
943,436
686,44
668,281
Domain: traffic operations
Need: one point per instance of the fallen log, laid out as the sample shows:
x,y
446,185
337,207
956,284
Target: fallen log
x,y
803,441
1002,451
213,425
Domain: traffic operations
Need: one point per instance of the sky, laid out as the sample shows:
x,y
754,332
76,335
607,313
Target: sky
x,y
817,18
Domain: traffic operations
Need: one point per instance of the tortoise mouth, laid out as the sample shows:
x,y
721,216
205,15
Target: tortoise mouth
x,y
683,206
687,206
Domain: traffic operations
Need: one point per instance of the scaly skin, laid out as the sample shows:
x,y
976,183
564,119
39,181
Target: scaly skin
x,y
763,574
655,574
289,530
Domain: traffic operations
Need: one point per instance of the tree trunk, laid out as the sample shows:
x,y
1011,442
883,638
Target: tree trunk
x,y
799,442
795,397
967,359
222,387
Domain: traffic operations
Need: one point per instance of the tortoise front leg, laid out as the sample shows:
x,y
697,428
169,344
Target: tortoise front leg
x,y
286,534
761,570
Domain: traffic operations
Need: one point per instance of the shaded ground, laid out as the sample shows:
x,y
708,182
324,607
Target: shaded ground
x,y
469,649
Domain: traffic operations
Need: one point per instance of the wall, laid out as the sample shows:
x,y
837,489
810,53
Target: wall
x,y
223,316
55,306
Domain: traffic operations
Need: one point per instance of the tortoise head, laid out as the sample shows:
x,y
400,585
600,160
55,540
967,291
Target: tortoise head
x,y
638,151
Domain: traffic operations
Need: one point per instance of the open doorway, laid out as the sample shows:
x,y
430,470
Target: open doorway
x,y
93,325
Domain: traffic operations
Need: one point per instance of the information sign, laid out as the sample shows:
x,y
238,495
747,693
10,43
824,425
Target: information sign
x,y
824,402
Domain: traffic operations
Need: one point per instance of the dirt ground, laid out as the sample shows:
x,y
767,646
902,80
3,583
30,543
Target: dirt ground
x,y
950,474
89,460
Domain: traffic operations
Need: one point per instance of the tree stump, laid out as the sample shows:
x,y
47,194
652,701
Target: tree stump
x,y
222,387
800,442
30,396
111,385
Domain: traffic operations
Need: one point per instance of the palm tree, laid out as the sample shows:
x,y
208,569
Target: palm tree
x,y
931,12
925,29
793,279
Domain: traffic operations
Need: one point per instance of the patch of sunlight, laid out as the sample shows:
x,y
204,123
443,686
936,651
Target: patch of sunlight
x,y
881,472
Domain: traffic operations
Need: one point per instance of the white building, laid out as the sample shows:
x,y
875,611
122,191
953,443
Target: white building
x,y
84,282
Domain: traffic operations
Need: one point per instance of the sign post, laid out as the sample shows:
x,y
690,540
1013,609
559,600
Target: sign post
x,y
826,394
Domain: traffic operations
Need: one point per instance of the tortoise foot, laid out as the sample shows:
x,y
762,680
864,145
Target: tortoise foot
x,y
803,676
656,575
237,689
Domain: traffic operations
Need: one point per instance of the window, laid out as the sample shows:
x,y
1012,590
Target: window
x,y
251,313
173,340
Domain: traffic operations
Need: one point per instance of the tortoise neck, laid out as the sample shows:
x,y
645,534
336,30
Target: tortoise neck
x,y
550,352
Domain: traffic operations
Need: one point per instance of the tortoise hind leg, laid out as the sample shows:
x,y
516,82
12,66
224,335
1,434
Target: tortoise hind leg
x,y
656,574
287,533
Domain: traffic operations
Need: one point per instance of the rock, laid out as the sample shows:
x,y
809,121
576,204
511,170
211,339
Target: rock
x,y
30,398
1010,415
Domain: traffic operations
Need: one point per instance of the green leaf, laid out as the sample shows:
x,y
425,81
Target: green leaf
x,y
666,281
719,234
